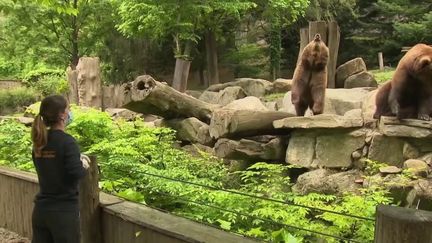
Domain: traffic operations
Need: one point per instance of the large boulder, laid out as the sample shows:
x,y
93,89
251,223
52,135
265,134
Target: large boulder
x,y
287,106
347,69
281,85
247,103
412,128
328,182
368,109
363,79
420,197
335,150
417,167
191,129
252,87
194,93
301,148
386,150
316,149
344,100
210,97
224,96
123,113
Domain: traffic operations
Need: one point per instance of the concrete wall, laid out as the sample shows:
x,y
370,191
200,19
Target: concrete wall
x,y
122,221
9,84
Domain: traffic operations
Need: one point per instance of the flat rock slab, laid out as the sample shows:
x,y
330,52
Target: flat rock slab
x,y
390,170
319,121
392,127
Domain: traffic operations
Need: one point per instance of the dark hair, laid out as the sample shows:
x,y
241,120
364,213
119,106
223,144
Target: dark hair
x,y
49,114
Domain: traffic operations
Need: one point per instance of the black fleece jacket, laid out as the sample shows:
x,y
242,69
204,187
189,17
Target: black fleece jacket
x,y
59,169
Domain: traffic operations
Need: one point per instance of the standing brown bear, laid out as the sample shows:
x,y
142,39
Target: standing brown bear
x,y
310,78
409,93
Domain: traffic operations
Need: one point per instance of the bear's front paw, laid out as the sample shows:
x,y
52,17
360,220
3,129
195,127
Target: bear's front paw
x,y
424,117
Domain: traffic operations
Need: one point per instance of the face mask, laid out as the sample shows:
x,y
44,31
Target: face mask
x,y
69,118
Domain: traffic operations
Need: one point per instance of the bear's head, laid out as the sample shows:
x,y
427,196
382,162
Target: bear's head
x,y
421,64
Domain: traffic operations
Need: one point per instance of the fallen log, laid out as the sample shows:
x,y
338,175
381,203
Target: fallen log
x,y
148,96
235,123
253,151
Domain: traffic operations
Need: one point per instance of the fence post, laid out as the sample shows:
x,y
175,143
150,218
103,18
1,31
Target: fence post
x,y
381,61
91,231
402,225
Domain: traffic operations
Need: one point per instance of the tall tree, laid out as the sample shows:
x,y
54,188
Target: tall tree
x,y
277,15
185,21
49,24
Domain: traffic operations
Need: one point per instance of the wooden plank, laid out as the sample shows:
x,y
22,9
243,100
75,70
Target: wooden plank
x,y
304,40
176,227
401,225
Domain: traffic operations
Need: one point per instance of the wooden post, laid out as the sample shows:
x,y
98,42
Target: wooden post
x,y
304,40
181,74
402,225
381,61
318,27
91,231
333,45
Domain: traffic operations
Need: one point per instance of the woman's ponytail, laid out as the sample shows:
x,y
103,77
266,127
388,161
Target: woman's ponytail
x,y
39,135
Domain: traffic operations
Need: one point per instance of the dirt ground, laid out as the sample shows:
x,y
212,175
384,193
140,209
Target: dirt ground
x,y
11,237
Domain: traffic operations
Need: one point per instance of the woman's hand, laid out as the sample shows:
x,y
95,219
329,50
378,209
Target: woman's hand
x,y
85,160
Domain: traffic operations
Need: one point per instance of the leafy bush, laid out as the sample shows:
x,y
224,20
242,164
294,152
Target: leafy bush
x,y
47,81
12,100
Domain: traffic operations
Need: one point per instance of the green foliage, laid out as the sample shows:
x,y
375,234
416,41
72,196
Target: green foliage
x,y
15,145
134,159
12,100
47,81
383,76
273,97
248,60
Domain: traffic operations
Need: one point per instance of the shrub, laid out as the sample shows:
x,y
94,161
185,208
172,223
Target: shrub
x,y
47,81
12,100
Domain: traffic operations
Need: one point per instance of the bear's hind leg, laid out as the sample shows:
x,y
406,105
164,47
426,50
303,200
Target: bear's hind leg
x,y
318,96
300,108
425,109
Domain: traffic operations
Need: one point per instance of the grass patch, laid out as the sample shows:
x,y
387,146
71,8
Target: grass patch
x,y
383,76
13,100
273,97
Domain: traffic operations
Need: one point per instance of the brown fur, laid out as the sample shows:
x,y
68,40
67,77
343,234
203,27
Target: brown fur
x,y
409,93
310,78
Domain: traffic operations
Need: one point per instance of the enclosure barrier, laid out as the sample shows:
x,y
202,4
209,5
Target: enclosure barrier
x,y
117,221
107,218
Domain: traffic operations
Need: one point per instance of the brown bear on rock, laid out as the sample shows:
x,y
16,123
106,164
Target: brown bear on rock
x,y
409,93
310,78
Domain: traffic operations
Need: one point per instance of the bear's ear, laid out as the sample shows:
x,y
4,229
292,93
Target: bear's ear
x,y
424,61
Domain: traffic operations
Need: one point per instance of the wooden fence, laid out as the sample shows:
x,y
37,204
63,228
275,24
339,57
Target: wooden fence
x,y
119,221
110,219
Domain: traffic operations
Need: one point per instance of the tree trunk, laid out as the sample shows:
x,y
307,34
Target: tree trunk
x,y
275,48
235,123
148,96
182,67
212,58
316,27
89,82
75,31
249,150
72,77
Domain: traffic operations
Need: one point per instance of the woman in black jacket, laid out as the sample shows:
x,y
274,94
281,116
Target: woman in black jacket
x,y
59,167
